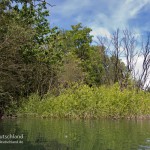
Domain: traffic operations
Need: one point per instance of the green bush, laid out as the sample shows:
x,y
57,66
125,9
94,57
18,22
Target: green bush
x,y
82,101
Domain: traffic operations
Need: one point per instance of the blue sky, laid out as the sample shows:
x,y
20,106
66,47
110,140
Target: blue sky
x,y
102,16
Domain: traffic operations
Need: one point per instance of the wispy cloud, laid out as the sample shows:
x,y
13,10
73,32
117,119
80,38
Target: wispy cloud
x,y
100,15
127,10
118,16
68,8
97,31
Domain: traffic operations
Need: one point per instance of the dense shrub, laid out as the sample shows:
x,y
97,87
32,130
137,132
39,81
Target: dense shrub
x,y
89,102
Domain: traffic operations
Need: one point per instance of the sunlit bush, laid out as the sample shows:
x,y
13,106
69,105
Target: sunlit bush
x,y
82,101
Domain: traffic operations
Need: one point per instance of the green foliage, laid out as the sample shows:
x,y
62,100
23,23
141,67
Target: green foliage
x,y
35,58
82,39
77,41
24,64
81,101
93,67
71,70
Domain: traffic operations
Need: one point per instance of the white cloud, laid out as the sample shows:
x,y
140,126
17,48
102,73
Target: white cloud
x,y
71,7
127,10
120,14
116,14
100,31
100,13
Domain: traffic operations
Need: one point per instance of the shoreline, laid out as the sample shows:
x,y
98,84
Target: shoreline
x,y
132,117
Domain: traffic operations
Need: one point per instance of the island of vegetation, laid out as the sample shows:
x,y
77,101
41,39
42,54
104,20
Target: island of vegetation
x,y
49,72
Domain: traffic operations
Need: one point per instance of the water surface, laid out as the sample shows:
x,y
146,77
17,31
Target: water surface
x,y
54,134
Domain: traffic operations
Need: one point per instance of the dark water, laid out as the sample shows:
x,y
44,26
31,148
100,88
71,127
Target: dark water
x,y
44,134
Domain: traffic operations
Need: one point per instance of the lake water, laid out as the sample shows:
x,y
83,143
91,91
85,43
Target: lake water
x,y
54,134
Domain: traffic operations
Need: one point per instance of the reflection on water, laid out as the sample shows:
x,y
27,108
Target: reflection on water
x,y
47,134
146,146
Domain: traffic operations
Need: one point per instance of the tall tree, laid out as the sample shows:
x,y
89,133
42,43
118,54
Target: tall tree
x,y
24,34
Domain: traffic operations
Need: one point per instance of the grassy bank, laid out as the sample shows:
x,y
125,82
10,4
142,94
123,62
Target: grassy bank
x,y
89,102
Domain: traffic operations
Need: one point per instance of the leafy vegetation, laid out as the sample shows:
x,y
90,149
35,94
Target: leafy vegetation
x,y
82,101
35,58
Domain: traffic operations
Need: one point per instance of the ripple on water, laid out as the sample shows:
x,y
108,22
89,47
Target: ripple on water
x,y
146,146
143,147
148,140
